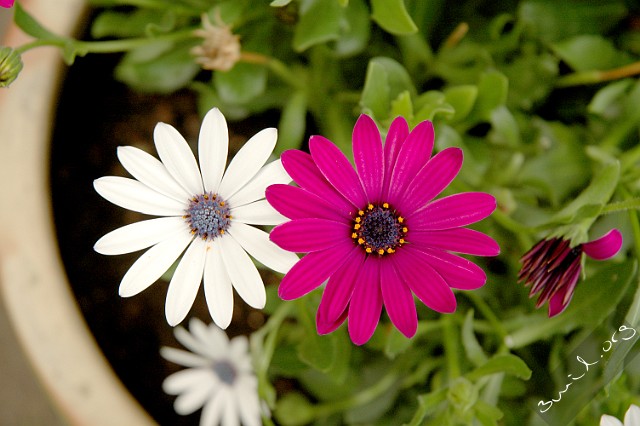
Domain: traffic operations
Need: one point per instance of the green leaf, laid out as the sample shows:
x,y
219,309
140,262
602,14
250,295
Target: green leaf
x,y
471,346
553,20
292,123
158,67
402,106
135,24
605,102
293,409
355,29
426,404
385,80
279,3
590,52
30,26
392,16
492,93
487,414
319,23
593,301
396,343
430,104
507,363
461,98
241,84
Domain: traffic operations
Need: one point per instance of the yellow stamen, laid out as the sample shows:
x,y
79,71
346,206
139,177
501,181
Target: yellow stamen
x,y
401,241
358,219
221,203
400,219
370,207
404,229
385,205
381,251
356,226
360,241
360,213
221,231
368,250
390,250
354,235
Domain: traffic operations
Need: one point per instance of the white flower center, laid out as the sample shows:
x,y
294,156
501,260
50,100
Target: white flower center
x,y
208,216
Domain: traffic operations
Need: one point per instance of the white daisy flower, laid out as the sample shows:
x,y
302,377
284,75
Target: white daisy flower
x,y
209,214
631,418
220,378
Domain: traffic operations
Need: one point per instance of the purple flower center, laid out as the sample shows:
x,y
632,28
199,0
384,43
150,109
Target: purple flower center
x,y
225,371
379,229
208,216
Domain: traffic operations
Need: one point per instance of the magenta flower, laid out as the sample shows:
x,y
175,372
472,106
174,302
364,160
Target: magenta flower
x,y
552,267
376,234
6,3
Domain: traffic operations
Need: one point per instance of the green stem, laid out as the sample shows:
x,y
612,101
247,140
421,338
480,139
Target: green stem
x,y
488,313
630,158
361,398
630,204
595,76
157,5
108,46
276,66
451,348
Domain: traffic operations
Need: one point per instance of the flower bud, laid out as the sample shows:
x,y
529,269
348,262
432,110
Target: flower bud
x,y
10,65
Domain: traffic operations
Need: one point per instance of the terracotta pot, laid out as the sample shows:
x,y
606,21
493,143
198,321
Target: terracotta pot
x,y
37,296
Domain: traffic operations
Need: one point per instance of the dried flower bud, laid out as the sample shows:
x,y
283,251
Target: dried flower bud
x,y
220,49
10,65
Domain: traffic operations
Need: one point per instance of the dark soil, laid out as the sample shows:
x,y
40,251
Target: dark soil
x,y
95,115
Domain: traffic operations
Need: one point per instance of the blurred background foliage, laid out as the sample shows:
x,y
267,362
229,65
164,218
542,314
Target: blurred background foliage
x,y
543,98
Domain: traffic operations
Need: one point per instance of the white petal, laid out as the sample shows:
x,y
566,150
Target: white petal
x,y
213,147
194,397
239,347
211,336
250,405
230,416
632,416
607,420
136,196
217,287
182,380
212,411
247,162
254,190
192,343
185,282
184,358
257,213
150,171
140,235
243,273
258,245
152,264
178,158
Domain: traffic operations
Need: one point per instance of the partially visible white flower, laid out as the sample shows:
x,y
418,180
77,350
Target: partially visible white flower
x,y
220,48
631,418
207,213
220,378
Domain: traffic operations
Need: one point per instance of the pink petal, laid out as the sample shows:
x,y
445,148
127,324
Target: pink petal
x,y
366,303
297,203
424,281
306,174
340,287
452,212
325,327
434,177
309,234
604,247
398,132
312,270
457,271
461,240
559,301
398,300
337,169
413,155
367,154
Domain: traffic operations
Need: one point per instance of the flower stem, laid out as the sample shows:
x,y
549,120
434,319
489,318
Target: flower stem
x,y
275,66
488,313
451,347
361,398
596,76
629,204
108,46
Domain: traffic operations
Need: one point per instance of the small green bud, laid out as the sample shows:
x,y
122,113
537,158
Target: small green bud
x,y
10,66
